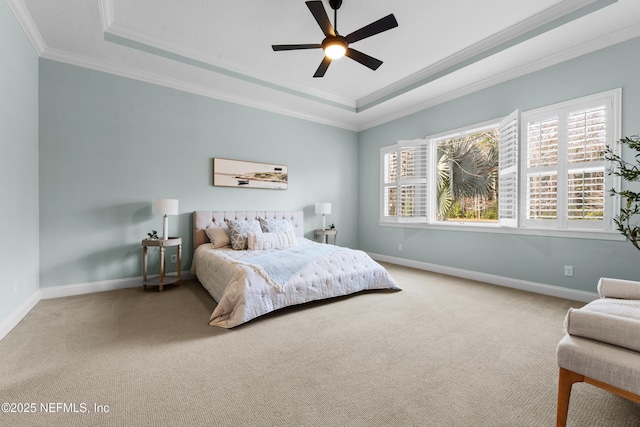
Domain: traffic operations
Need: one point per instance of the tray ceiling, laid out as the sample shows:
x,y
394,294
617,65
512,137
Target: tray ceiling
x,y
441,49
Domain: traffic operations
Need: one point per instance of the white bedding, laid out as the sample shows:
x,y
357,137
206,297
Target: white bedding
x,y
245,290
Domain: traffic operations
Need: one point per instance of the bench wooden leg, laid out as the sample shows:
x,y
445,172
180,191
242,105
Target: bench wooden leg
x,y
566,379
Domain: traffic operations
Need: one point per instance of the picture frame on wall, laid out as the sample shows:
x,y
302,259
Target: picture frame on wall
x,y
246,174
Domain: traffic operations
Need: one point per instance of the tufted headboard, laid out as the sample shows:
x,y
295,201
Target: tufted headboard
x,y
208,219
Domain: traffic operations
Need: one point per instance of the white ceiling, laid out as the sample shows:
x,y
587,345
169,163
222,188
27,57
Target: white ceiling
x,y
441,49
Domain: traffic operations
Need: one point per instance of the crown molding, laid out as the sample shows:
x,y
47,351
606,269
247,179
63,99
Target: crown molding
x,y
107,17
160,80
147,43
542,22
193,57
611,39
23,16
350,120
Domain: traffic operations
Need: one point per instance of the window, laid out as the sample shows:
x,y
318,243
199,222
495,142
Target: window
x,y
476,176
566,180
467,176
405,182
455,177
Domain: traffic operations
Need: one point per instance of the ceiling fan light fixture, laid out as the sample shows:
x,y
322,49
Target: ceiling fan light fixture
x,y
334,48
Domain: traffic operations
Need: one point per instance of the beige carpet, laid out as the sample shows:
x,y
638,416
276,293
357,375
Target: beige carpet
x,y
442,352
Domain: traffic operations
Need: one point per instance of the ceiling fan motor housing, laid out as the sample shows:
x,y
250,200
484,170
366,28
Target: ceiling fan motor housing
x,y
333,40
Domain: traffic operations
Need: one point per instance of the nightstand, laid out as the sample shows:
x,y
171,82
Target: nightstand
x,y
163,279
326,233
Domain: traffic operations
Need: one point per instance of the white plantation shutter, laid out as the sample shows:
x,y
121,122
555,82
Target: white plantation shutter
x,y
508,171
542,169
586,194
389,158
542,142
404,181
566,177
551,172
586,175
542,196
587,134
413,161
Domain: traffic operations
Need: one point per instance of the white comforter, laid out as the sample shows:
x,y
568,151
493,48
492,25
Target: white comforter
x,y
245,290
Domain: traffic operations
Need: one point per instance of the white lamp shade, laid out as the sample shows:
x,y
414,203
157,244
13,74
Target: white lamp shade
x,y
323,208
164,206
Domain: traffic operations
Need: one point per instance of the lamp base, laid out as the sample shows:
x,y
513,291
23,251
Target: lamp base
x,y
165,228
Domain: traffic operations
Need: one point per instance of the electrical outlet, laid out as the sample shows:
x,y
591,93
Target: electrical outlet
x,y
568,270
174,259
15,286
400,246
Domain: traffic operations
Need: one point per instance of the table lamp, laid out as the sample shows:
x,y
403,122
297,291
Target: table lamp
x,y
323,208
165,207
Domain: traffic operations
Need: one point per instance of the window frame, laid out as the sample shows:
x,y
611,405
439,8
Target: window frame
x,y
612,100
433,147
518,225
399,183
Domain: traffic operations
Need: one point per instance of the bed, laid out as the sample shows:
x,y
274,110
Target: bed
x,y
273,265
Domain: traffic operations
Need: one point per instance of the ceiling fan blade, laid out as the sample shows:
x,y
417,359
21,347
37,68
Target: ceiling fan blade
x,y
318,12
323,67
382,24
278,47
363,58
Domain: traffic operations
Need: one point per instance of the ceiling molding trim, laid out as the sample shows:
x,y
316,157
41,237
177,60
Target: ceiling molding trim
x,y
620,36
109,26
543,22
146,77
25,20
152,45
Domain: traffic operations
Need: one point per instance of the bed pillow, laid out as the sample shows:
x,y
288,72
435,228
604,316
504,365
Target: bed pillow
x,y
277,240
219,236
238,232
274,225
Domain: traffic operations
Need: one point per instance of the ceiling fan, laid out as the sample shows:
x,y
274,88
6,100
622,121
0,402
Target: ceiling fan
x,y
334,45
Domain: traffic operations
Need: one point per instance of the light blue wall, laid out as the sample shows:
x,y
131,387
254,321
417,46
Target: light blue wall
x,y
109,145
18,165
536,259
79,195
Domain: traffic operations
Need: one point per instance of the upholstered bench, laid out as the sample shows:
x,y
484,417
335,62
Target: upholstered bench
x,y
602,344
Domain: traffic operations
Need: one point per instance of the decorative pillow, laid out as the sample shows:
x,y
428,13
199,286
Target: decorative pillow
x,y
219,236
277,240
274,225
238,232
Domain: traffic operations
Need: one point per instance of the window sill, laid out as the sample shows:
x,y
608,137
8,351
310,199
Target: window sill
x,y
491,228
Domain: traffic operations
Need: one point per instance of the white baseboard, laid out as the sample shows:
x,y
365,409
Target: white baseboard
x,y
88,288
66,291
538,288
18,314
92,287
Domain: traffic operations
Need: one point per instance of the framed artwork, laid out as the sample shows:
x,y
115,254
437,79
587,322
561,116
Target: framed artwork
x,y
243,174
